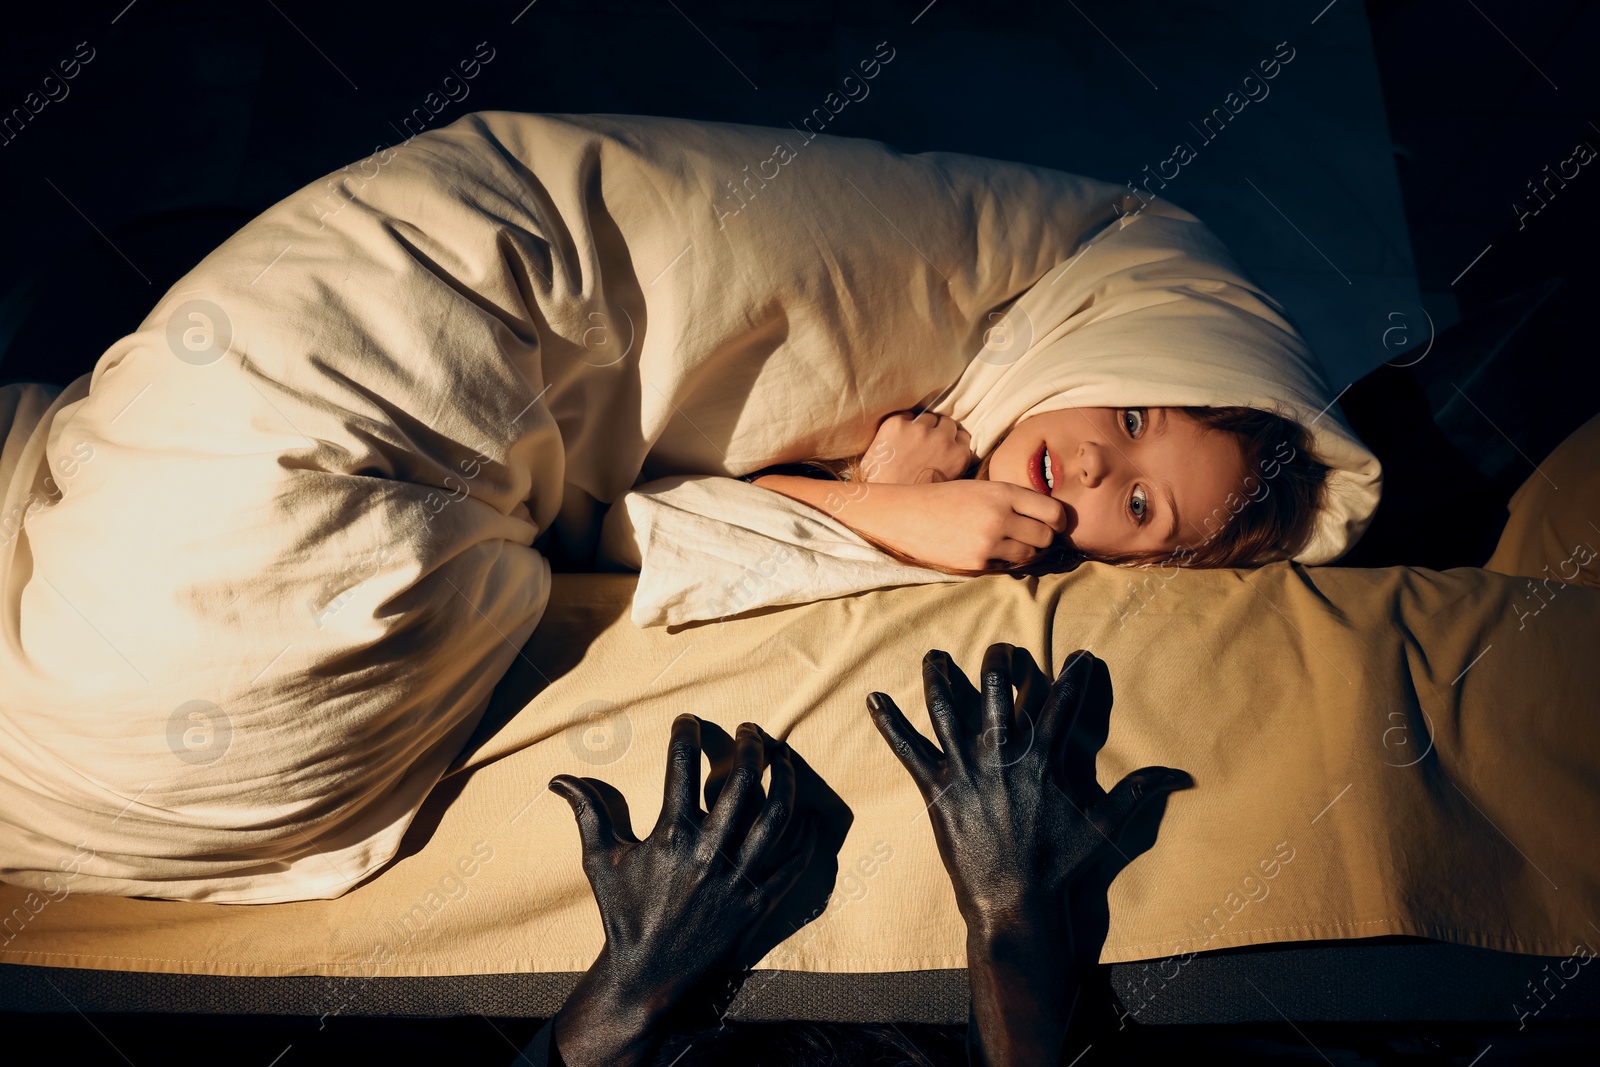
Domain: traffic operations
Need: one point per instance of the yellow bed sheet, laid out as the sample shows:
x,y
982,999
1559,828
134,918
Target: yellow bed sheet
x,y
1375,752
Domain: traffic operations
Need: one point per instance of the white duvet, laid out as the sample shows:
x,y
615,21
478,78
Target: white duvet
x,y
260,571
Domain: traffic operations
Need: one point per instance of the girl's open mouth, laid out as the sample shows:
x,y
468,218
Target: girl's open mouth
x,y
1041,469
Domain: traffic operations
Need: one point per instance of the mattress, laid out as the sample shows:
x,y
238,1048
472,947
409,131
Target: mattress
x,y
1365,981
1360,717
1362,758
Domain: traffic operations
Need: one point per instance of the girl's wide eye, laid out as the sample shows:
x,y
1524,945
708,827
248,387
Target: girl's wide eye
x,y
1133,421
1138,504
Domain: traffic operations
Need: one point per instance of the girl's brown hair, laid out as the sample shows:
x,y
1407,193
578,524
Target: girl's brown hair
x,y
1273,513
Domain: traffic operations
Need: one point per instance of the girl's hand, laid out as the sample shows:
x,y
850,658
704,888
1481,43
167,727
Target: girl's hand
x,y
963,524
909,450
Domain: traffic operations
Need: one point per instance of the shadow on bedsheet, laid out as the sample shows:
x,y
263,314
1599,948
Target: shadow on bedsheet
x,y
575,617
1090,899
572,621
580,610
815,801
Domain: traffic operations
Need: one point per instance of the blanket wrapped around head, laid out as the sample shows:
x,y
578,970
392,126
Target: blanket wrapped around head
x,y
1149,310
262,569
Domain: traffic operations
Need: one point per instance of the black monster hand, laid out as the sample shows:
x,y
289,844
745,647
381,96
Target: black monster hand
x,y
1014,833
680,907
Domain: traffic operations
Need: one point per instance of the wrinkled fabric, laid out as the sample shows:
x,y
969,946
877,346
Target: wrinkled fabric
x,y
1149,310
292,534
1375,752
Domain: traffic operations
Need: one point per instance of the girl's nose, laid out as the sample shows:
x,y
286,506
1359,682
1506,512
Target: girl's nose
x,y
1092,461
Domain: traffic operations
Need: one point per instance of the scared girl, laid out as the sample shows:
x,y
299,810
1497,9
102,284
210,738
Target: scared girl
x,y
1192,486
334,453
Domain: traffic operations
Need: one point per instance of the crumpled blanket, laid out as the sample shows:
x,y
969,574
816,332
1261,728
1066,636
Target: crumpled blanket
x,y
1151,310
263,567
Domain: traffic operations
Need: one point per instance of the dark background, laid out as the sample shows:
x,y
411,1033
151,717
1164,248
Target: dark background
x,y
193,117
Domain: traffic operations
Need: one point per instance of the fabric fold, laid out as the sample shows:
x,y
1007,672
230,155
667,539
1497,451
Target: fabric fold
x,y
290,548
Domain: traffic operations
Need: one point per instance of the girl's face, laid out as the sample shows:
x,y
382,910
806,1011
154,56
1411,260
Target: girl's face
x,y
1133,479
